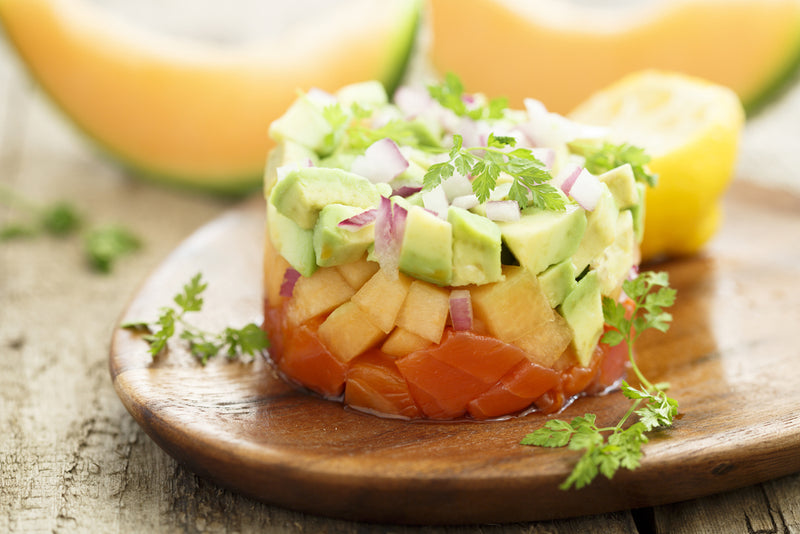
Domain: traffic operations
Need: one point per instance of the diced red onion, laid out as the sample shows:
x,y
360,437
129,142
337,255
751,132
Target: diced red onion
x,y
390,225
412,101
457,185
461,309
406,191
569,178
586,190
359,220
546,155
381,162
466,201
320,97
290,277
502,210
435,200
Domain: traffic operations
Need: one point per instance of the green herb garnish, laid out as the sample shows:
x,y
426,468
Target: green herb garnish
x,y
103,245
606,449
603,158
450,94
484,165
202,345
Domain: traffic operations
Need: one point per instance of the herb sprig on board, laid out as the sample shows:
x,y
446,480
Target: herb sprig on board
x,y
233,342
607,449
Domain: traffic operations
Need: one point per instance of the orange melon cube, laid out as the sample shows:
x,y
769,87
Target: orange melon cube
x,y
317,294
274,267
347,332
425,310
510,309
401,342
357,272
381,298
545,343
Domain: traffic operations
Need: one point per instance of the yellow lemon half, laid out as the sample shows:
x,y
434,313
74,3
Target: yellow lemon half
x,y
691,129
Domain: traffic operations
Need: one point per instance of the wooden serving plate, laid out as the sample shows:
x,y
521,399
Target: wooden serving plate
x,y
732,357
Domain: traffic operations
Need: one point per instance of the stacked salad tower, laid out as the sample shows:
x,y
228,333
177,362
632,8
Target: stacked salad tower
x,y
442,256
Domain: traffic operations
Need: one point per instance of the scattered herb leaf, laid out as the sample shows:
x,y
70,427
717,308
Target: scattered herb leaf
x,y
105,244
607,449
450,94
203,345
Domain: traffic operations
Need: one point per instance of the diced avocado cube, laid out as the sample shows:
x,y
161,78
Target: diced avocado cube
x,y
304,123
583,311
427,249
304,192
638,212
365,94
292,242
600,230
622,184
334,245
543,237
286,153
614,264
557,281
476,248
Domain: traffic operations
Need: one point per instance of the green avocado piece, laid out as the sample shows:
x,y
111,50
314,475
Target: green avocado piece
x,y
544,237
370,94
302,193
600,230
286,153
292,242
427,249
622,184
334,245
583,311
476,248
557,281
614,264
305,124
638,212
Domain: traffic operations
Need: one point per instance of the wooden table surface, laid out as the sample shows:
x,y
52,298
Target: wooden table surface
x,y
73,460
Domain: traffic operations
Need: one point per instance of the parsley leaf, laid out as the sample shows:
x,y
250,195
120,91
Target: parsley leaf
x,y
603,158
607,449
485,165
105,244
202,345
450,94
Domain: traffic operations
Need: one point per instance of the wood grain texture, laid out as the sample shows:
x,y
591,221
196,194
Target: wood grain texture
x,y
238,424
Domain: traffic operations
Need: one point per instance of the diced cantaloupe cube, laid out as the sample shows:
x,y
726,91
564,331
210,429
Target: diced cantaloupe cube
x,y
358,272
347,332
546,343
274,268
401,342
510,309
425,310
317,294
381,298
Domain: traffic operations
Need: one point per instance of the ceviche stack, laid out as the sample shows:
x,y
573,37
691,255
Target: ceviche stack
x,y
442,256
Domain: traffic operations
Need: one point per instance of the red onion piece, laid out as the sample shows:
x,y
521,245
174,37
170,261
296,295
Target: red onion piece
x,y
466,201
412,101
359,220
436,202
290,277
406,190
546,155
381,162
586,190
457,185
461,309
320,97
569,179
502,210
390,224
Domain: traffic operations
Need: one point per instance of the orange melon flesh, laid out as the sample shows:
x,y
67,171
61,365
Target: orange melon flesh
x,y
560,53
191,113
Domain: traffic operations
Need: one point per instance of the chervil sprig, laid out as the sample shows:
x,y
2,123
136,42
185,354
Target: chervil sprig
x,y
485,163
203,345
607,449
450,94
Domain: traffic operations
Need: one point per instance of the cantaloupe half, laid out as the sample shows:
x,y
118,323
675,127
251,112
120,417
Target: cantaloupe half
x,y
189,112
561,51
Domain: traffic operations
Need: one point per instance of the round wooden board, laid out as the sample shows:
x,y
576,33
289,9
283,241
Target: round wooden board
x,y
731,357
